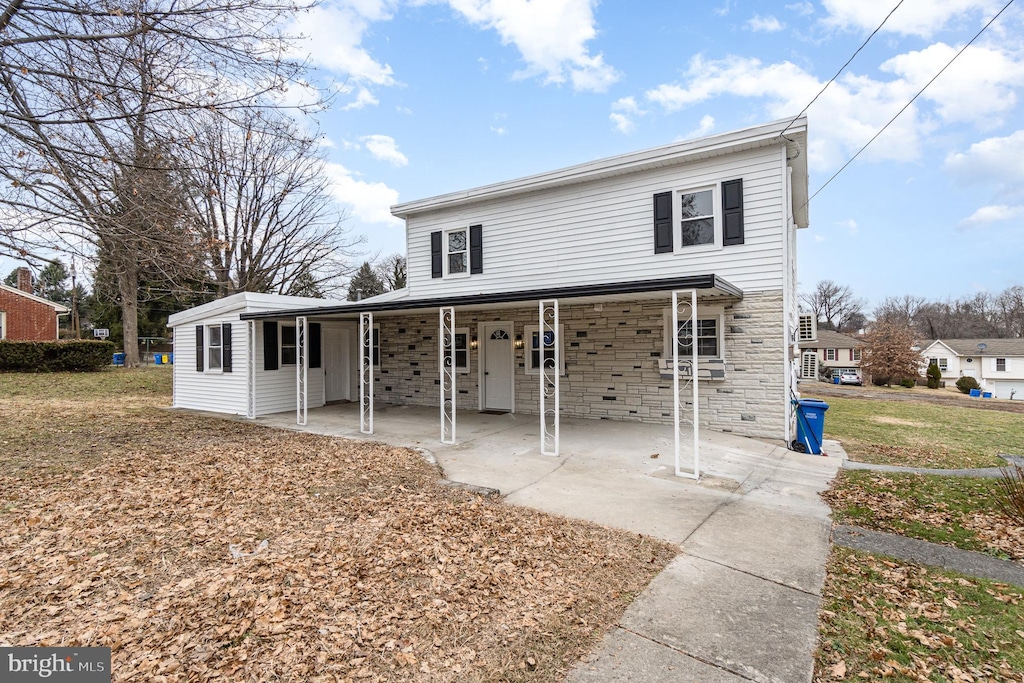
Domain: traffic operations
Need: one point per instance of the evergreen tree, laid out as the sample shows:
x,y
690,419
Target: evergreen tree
x,y
365,283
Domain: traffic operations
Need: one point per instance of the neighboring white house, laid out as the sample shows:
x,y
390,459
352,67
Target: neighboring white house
x,y
831,353
576,269
997,364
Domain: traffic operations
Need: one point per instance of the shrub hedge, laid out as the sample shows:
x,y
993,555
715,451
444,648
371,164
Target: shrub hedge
x,y
55,356
965,384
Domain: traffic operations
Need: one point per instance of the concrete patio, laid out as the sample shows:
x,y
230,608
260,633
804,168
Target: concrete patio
x,y
740,602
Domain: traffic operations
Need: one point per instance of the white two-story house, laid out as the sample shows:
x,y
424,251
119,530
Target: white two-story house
x,y
591,291
997,364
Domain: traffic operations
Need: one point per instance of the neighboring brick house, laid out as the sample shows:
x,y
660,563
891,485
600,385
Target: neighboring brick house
x,y
25,316
830,354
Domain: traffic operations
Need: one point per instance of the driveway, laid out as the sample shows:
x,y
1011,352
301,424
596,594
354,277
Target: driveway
x,y
739,603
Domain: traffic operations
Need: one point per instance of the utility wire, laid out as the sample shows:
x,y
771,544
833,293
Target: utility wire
x,y
907,105
843,67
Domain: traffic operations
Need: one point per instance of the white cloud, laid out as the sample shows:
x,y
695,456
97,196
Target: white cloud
x,y
819,238
914,17
332,39
992,214
625,111
804,9
855,107
551,36
363,98
368,202
499,130
706,125
768,24
995,160
384,148
850,225
724,9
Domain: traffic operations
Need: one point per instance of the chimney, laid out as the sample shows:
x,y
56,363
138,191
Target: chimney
x,y
25,280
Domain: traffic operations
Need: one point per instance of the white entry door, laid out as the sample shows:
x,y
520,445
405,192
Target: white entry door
x,y
336,343
497,365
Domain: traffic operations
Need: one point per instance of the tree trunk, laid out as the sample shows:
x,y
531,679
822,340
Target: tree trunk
x,y
128,288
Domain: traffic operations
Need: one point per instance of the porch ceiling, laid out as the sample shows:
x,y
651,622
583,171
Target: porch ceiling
x,y
707,286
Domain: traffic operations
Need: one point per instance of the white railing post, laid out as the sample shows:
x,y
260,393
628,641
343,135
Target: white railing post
x,y
301,370
446,363
366,373
550,372
684,310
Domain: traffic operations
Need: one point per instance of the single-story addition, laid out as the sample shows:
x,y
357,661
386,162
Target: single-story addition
x,y
829,353
657,286
997,364
25,316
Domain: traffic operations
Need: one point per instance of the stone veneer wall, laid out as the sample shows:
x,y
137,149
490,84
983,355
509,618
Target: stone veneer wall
x,y
611,359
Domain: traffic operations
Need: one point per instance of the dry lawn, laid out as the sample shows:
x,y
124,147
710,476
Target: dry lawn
x,y
129,526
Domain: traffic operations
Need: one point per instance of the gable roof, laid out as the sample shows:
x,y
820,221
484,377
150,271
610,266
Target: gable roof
x,y
764,135
58,308
969,347
827,339
247,302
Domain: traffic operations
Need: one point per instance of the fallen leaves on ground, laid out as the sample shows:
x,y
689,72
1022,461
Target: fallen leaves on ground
x,y
885,502
886,620
203,549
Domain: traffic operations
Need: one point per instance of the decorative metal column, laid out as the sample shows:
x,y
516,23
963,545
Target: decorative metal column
x,y
366,373
684,377
250,367
446,362
301,370
550,372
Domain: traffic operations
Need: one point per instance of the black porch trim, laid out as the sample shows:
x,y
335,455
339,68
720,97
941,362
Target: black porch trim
x,y
579,291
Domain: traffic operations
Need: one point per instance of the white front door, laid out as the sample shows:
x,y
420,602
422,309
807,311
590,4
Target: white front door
x,y
336,343
498,359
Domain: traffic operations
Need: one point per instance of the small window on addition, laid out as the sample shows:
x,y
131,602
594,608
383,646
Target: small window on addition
x,y
288,351
214,348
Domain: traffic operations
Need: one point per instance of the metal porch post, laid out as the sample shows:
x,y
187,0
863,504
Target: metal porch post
x,y
446,363
550,372
366,373
684,309
301,370
250,368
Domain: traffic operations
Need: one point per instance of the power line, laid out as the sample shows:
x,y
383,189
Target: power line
x,y
843,67
907,105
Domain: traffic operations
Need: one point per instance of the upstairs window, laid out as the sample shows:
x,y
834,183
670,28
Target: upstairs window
x,y
696,218
855,354
831,354
1000,365
457,252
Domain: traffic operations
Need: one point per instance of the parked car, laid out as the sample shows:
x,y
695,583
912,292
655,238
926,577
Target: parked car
x,y
850,377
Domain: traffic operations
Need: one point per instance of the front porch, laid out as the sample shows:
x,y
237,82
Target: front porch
x,y
612,472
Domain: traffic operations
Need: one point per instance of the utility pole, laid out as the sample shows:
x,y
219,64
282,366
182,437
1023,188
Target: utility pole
x,y
75,328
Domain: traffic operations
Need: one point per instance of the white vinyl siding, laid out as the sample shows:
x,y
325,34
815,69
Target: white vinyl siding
x,y
228,392
602,231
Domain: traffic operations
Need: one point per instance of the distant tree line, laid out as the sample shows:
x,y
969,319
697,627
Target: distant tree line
x,y
983,314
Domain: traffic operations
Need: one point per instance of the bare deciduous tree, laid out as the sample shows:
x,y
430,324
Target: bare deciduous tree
x,y
834,306
264,211
93,100
392,272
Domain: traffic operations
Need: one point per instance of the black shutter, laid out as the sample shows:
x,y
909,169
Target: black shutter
x,y
476,249
269,345
225,340
199,348
436,257
314,345
663,223
732,212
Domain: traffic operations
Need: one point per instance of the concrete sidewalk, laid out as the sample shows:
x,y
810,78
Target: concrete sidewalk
x,y
741,600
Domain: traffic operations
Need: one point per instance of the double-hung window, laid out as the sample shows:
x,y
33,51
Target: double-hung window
x,y
214,349
462,350
696,217
831,354
1000,365
289,355
943,363
855,354
457,252
708,337
538,344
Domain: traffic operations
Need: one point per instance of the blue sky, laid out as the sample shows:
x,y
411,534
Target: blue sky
x,y
436,96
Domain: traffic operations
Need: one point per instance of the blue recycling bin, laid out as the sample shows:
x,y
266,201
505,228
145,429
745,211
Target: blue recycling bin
x,y
810,424
158,359
975,393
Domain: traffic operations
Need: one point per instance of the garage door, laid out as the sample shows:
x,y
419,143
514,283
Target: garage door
x,y
1003,388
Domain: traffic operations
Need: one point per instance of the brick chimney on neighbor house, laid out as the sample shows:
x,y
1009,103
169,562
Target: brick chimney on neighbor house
x,y
25,280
